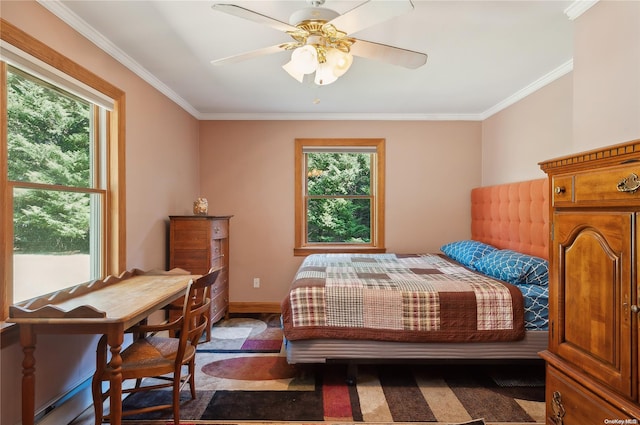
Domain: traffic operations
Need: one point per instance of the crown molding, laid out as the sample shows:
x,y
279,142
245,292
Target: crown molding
x,y
74,21
563,69
578,7
315,116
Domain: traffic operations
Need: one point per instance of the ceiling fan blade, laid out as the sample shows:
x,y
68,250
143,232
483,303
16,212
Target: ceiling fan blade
x,y
248,55
370,13
389,54
250,15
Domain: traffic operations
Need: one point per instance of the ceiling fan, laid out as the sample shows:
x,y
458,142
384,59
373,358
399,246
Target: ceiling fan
x,y
322,42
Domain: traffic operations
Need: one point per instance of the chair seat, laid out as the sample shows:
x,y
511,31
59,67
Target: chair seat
x,y
151,355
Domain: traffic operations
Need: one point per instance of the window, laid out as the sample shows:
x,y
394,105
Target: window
x,y
339,195
62,172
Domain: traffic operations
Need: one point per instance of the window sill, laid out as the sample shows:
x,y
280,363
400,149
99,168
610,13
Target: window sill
x,y
336,249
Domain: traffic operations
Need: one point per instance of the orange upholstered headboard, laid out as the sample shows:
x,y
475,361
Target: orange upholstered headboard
x,y
513,216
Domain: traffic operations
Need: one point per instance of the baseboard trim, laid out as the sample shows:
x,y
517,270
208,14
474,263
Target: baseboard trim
x,y
244,307
68,406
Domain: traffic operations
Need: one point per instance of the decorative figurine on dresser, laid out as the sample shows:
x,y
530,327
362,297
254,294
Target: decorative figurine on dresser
x,y
198,243
593,355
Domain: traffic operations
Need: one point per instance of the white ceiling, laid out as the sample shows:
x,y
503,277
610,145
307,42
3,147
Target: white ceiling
x,y
483,56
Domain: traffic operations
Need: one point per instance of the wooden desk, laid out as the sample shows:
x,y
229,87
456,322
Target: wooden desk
x,y
106,307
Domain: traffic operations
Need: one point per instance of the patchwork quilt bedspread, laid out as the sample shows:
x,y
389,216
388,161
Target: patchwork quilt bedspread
x,y
393,297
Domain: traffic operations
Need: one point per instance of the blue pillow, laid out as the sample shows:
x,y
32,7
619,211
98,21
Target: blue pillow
x,y
466,252
514,267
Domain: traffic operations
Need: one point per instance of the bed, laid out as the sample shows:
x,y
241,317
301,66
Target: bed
x,y
373,307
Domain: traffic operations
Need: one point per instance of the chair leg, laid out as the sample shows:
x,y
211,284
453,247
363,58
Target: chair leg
x,y
98,399
192,378
176,399
207,315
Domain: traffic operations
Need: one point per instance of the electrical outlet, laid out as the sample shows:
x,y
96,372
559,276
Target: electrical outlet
x,y
256,282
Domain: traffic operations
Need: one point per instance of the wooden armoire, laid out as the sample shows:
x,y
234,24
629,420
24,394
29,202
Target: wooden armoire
x,y
593,354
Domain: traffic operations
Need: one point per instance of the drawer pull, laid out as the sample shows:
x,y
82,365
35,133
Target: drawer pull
x,y
558,408
629,184
560,189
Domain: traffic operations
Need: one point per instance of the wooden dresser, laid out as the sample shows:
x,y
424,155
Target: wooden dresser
x,y
198,243
592,359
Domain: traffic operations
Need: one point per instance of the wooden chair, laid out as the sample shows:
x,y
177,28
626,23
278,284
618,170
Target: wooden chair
x,y
175,308
164,358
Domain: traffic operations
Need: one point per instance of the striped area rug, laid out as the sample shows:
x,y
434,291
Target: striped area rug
x,y
255,383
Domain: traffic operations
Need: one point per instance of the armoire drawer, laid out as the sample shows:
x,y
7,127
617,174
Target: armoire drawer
x,y
614,185
562,189
573,404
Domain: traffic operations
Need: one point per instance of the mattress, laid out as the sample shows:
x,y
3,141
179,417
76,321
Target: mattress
x,y
338,296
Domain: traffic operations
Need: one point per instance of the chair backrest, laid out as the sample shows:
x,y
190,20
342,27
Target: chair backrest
x,y
205,281
198,321
193,311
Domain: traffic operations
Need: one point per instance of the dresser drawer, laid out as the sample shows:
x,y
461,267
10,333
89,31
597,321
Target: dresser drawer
x,y
219,229
216,250
219,305
575,404
220,285
613,186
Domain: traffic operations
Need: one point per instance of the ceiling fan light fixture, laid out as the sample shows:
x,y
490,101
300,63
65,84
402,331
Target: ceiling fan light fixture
x,y
292,70
304,59
339,61
325,74
327,63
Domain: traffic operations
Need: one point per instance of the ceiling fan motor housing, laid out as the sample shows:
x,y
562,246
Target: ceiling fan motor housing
x,y
312,14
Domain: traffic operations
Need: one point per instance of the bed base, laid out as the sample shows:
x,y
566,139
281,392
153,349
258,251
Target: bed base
x,y
324,350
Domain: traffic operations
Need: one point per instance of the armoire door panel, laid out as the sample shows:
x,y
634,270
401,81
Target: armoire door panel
x,y
594,255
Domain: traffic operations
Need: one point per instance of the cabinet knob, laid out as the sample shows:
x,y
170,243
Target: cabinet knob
x,y
635,308
560,189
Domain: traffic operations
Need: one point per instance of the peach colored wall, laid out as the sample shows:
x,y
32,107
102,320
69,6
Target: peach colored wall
x,y
607,75
161,177
534,129
247,171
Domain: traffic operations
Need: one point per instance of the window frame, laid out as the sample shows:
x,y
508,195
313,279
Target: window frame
x,y
302,246
115,236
